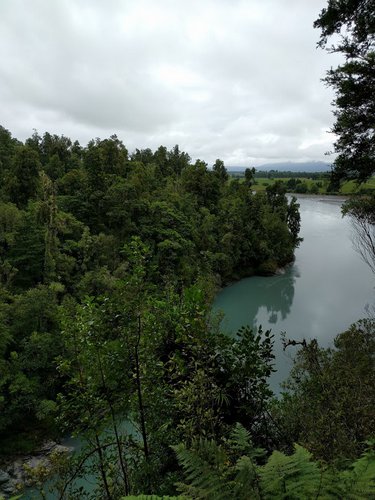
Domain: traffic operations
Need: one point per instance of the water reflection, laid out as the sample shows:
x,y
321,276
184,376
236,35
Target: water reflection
x,y
252,298
320,295
278,298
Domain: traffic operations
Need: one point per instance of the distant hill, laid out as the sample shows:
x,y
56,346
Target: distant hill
x,y
308,166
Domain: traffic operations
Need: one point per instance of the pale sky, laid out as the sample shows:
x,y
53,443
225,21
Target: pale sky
x,y
230,79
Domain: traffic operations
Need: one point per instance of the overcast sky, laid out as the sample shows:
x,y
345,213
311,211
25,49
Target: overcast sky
x,y
229,79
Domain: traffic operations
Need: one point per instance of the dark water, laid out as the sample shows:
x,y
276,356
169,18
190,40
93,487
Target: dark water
x,y
326,289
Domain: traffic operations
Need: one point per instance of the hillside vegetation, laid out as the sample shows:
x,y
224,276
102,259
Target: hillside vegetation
x,y
109,262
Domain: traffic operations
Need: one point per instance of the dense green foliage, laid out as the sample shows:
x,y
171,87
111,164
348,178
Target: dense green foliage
x,y
329,400
154,359
108,264
235,469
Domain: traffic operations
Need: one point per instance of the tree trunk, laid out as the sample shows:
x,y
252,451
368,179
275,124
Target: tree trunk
x,y
139,391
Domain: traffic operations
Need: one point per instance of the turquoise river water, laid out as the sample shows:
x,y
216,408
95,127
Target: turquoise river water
x,y
327,288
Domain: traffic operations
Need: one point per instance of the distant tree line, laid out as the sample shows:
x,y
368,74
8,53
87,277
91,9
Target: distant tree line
x,y
270,174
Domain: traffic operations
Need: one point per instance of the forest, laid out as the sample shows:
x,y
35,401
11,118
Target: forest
x,y
109,263
134,246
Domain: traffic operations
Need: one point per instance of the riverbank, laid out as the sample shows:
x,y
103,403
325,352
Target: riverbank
x,y
266,269
20,471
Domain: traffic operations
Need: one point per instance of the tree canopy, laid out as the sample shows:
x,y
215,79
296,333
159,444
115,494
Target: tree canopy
x,y
108,265
351,25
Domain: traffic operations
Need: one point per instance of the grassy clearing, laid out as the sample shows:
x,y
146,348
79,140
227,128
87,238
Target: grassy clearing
x,y
351,187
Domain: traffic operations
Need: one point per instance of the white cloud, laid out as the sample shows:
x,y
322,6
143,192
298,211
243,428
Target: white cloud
x,y
239,80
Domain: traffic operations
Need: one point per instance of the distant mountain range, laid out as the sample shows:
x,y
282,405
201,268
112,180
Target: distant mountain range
x,y
289,166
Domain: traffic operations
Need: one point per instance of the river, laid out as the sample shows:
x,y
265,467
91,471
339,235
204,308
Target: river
x,y
327,288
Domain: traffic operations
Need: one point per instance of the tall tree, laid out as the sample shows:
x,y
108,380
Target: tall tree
x,y
249,176
23,179
7,149
353,23
220,171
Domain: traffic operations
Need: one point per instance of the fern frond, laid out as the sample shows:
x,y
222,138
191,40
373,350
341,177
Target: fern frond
x,y
153,497
240,438
245,484
331,485
211,475
292,477
189,492
240,442
360,480
204,468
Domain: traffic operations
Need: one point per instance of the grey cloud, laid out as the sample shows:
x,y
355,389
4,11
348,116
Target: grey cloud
x,y
238,80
